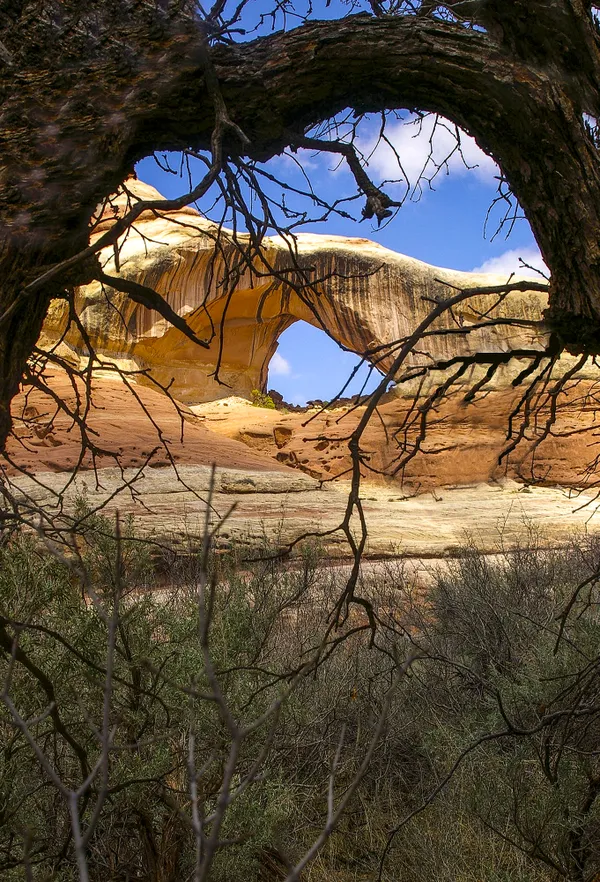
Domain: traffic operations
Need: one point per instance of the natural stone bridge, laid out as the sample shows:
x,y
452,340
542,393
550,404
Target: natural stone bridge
x,y
278,474
361,294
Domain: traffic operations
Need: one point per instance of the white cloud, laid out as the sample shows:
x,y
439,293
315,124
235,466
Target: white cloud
x,y
279,367
509,262
425,145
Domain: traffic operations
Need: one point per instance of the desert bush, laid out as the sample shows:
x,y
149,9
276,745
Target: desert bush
x,y
265,620
509,682
261,399
497,692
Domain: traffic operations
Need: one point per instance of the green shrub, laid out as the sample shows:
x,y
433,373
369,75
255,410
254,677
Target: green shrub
x,y
261,399
519,805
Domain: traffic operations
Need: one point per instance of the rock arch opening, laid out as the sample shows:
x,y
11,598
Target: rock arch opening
x,y
308,365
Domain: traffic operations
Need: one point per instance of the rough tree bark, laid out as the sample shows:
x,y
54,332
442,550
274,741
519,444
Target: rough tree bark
x,y
88,88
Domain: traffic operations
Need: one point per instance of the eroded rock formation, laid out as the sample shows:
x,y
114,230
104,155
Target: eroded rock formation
x,y
276,467
362,294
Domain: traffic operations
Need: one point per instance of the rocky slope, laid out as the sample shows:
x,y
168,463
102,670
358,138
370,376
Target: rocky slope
x,y
274,508
433,467
275,470
125,425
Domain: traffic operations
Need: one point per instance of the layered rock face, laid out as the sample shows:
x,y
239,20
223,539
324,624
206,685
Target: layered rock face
x,y
363,295
287,472
262,499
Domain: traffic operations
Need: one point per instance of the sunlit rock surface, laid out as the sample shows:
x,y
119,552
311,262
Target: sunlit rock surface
x,y
362,294
287,472
262,499
264,509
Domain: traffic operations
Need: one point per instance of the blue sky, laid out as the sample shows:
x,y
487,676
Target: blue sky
x,y
442,224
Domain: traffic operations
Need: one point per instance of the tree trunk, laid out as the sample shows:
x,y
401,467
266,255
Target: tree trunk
x,y
19,330
22,314
553,166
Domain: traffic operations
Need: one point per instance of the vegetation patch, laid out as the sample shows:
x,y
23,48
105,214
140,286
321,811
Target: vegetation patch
x,y
261,399
221,705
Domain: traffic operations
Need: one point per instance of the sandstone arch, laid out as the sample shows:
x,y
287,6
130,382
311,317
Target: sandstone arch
x,y
362,294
